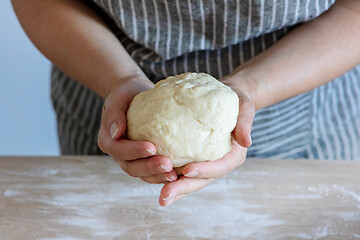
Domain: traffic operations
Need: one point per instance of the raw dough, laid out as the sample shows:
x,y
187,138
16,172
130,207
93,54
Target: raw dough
x,y
188,117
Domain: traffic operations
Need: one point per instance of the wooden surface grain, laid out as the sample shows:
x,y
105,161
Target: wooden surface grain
x,y
91,198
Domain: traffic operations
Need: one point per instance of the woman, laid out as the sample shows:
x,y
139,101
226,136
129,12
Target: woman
x,y
294,62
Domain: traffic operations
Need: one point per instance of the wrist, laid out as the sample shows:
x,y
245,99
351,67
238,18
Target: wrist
x,y
133,83
249,84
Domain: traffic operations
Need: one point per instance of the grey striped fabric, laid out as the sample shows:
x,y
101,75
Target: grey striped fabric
x,y
216,36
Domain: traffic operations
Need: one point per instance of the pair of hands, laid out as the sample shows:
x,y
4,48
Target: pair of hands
x,y
139,159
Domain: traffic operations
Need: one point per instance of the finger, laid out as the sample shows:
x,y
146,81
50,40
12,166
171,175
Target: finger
x,y
218,168
244,122
174,199
120,148
181,186
147,167
124,149
113,118
161,178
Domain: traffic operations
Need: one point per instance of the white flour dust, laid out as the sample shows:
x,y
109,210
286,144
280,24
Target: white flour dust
x,y
233,220
114,206
12,193
356,235
344,191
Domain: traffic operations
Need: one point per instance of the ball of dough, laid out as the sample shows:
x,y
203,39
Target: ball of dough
x,y
188,117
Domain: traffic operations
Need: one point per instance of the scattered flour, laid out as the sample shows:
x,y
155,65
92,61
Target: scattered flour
x,y
12,193
350,216
322,231
352,194
356,235
298,196
91,206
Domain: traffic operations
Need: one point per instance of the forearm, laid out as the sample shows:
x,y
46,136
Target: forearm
x,y
309,56
76,40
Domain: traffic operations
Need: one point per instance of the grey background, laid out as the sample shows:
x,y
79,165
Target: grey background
x,y
27,120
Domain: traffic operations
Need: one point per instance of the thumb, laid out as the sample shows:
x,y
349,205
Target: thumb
x,y
114,118
244,123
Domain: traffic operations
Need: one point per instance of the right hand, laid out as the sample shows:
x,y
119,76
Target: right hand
x,y
136,158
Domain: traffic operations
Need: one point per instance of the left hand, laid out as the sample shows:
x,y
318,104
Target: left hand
x,y
198,175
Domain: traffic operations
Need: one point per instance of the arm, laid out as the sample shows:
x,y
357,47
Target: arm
x,y
309,56
75,39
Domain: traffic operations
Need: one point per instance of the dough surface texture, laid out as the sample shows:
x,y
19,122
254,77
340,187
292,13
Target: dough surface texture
x,y
188,117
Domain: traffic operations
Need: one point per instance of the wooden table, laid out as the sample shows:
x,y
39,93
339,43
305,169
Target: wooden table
x,y
91,198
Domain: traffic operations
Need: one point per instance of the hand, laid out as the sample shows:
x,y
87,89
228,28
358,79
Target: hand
x,y
199,175
136,158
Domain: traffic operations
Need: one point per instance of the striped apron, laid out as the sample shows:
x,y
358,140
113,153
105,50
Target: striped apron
x,y
169,37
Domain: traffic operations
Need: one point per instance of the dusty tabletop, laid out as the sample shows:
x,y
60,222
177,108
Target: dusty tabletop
x,y
91,198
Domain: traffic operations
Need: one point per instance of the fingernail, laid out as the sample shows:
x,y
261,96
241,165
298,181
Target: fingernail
x,y
192,174
162,168
151,151
171,195
170,201
166,179
170,178
113,130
